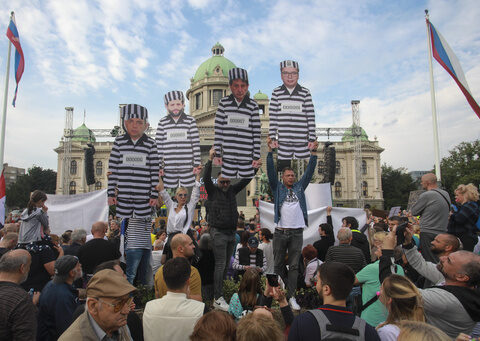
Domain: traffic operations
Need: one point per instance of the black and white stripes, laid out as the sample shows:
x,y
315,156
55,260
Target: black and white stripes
x,y
178,145
292,121
237,130
288,63
237,73
174,95
134,111
134,173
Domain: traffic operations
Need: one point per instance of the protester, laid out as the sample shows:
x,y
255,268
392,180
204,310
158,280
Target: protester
x,y
255,327
249,257
34,219
249,294
108,304
404,303
420,331
206,266
290,217
178,144
18,320
292,115
311,263
462,223
97,250
182,246
138,251
66,238
433,207
8,243
266,245
173,316
346,253
78,238
334,284
237,130
359,240
327,237
222,219
214,326
157,254
454,304
372,310
59,299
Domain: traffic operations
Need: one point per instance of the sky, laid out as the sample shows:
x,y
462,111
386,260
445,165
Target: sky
x,y
94,55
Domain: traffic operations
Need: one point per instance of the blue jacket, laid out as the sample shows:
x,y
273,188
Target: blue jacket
x,y
280,190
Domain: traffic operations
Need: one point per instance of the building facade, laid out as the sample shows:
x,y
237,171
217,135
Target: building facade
x,y
208,85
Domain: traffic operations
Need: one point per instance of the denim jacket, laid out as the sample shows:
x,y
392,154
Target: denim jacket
x,y
280,190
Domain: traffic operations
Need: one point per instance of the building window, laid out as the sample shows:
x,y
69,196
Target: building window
x,y
73,167
261,109
337,167
73,187
98,185
198,101
364,167
338,189
216,97
99,168
321,167
364,189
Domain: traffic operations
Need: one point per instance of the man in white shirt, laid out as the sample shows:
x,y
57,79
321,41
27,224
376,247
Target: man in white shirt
x,y
173,316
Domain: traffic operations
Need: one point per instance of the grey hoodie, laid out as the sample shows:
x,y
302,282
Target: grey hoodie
x,y
442,308
30,228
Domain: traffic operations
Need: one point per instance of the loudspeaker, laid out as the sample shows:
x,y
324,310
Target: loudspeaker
x,y
89,170
330,164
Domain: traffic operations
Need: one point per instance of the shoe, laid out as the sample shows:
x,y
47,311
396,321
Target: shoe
x,y
293,303
221,304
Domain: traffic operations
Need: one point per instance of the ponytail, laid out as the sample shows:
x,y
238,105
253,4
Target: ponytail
x,y
36,196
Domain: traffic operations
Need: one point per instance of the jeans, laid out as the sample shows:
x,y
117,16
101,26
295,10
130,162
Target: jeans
x,y
291,241
223,244
138,260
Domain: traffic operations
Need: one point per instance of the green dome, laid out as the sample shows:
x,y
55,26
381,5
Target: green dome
x,y
83,134
208,67
348,136
260,95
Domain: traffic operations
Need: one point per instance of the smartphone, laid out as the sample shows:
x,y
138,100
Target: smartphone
x,y
272,280
401,233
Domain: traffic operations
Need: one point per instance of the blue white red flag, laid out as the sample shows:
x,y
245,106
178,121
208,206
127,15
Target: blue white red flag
x,y
12,35
444,55
2,199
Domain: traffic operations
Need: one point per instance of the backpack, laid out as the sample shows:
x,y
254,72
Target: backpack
x,y
335,332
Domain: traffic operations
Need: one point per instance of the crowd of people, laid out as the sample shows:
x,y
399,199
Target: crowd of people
x,y
406,277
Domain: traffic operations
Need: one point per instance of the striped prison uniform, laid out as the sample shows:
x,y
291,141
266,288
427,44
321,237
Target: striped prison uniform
x,y
237,136
178,145
134,174
292,121
137,234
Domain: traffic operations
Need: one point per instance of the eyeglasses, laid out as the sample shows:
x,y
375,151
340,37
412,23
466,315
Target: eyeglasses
x,y
119,305
224,182
182,195
293,74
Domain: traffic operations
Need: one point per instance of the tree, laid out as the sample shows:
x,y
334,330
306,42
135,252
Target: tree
x,y
18,193
396,185
462,166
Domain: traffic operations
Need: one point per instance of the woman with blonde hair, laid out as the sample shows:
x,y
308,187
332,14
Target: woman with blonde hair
x,y
462,223
403,302
420,331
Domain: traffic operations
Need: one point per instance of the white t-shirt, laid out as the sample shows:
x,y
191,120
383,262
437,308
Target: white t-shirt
x,y
291,216
388,332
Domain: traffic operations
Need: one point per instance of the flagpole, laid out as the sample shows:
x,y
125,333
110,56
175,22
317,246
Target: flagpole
x,y
5,97
434,105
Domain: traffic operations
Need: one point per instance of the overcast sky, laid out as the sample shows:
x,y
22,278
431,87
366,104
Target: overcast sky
x,y
93,55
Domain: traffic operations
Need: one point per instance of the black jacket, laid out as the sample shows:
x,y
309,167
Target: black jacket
x,y
360,240
222,206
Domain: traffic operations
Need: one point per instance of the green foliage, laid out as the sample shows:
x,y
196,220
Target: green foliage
x,y
18,193
143,295
229,288
308,298
396,185
462,166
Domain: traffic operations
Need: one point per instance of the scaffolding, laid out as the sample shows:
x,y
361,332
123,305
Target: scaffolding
x,y
67,149
357,134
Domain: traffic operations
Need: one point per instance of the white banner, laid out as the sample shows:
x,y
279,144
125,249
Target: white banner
x,y
69,212
316,217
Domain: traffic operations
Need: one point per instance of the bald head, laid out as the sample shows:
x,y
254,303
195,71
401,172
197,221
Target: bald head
x,y
9,241
182,246
12,261
99,228
179,239
429,181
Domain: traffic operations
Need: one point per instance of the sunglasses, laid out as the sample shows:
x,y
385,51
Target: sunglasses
x,y
182,195
224,182
119,305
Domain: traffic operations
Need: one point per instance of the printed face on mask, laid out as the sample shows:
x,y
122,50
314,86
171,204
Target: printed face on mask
x,y
175,107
